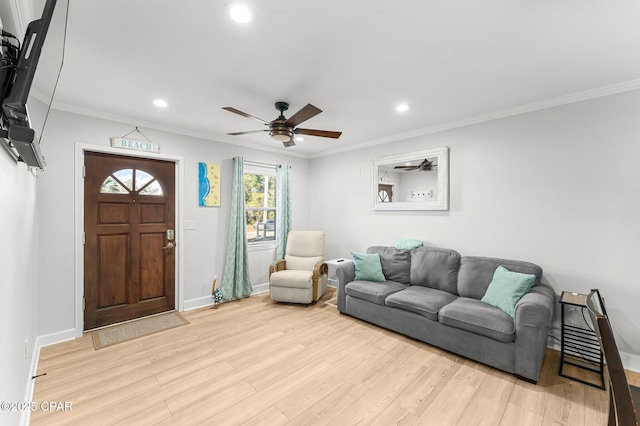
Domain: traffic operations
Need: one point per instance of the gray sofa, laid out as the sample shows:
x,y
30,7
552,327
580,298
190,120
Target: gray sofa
x,y
433,295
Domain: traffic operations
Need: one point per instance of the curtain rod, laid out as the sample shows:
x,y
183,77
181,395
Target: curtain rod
x,y
257,163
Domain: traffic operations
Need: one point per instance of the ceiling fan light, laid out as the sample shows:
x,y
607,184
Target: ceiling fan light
x,y
281,135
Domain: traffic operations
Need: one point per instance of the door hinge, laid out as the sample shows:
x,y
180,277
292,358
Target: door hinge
x,y
84,237
84,171
84,303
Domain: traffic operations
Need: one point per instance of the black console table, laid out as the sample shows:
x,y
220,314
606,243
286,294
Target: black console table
x,y
579,345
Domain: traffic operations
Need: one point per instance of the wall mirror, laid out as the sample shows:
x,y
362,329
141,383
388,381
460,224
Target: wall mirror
x,y
416,180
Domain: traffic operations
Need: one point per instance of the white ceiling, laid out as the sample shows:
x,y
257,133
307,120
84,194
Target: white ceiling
x,y
453,61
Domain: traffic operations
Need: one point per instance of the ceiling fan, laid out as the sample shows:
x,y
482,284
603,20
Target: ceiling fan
x,y
282,129
425,166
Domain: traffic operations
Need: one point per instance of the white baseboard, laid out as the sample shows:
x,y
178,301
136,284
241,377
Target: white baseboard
x,y
203,302
260,288
53,338
199,302
25,419
41,341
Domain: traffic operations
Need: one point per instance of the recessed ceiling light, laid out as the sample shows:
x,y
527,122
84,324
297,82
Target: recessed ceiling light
x,y
160,103
402,107
240,12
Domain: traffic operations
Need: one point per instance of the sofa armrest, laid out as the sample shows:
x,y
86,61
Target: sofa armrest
x,y
534,313
345,273
536,308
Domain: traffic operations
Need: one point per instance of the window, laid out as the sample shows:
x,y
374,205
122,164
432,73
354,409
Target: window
x,y
260,204
125,180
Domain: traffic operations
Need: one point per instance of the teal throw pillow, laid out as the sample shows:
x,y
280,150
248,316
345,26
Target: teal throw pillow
x,y
408,244
507,288
368,267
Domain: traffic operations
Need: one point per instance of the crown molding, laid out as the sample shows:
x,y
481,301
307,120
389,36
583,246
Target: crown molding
x,y
89,112
584,95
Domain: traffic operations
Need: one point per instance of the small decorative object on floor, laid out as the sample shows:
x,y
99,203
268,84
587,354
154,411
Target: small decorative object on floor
x,y
215,293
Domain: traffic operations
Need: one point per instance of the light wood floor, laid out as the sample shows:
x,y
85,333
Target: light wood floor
x,y
256,362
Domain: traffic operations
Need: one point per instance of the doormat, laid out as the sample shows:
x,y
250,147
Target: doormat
x,y
139,328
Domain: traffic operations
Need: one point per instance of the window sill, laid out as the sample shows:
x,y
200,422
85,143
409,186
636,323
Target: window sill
x,y
270,245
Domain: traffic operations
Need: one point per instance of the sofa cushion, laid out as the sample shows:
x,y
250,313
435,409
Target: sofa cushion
x,y
476,273
396,264
368,267
478,317
507,288
421,300
436,268
373,291
408,244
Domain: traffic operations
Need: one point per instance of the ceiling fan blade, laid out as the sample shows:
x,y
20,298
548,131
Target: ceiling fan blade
x,y
303,115
321,133
289,144
248,132
244,114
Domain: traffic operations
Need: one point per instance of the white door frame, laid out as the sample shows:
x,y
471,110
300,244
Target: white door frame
x,y
79,222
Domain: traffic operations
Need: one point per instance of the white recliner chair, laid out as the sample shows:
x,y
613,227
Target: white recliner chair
x,y
301,277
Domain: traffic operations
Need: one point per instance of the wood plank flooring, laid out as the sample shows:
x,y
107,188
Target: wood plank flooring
x,y
255,362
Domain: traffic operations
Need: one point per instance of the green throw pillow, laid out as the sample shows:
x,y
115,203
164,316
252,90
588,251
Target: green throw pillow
x,y
507,288
408,244
368,267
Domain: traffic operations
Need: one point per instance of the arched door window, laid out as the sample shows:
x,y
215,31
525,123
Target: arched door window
x,y
125,181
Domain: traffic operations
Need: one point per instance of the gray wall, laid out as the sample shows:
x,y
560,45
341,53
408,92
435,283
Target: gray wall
x,y
559,187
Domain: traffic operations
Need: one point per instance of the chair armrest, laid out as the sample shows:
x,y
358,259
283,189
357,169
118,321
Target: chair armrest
x,y
321,268
276,266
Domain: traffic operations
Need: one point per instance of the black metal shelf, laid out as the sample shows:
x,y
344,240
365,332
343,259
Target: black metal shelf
x,y
579,346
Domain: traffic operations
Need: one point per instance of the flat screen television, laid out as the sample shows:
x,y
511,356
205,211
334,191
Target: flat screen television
x,y
29,73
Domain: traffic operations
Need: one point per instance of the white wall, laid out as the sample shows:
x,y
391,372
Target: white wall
x,y
19,270
204,249
18,281
559,187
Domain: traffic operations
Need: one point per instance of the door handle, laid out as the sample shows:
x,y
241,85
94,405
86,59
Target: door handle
x,y
169,245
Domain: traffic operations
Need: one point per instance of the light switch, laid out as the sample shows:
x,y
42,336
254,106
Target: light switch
x,y
188,224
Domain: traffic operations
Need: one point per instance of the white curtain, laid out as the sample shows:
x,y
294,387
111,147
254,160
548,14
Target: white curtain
x,y
235,280
283,202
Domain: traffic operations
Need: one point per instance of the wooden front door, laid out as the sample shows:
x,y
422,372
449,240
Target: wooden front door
x,y
129,251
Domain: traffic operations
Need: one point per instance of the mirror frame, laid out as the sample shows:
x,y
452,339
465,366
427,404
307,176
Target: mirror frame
x,y
441,203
